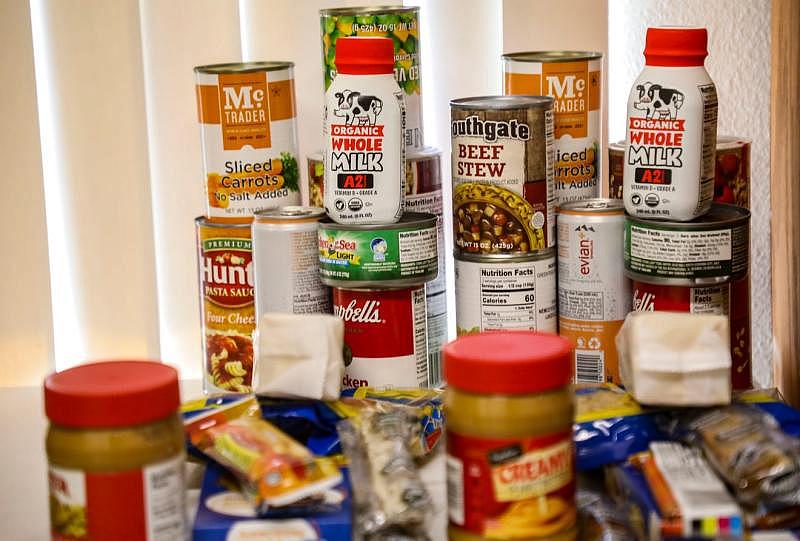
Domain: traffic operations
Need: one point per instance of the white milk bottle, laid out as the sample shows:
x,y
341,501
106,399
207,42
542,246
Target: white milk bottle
x,y
671,129
364,125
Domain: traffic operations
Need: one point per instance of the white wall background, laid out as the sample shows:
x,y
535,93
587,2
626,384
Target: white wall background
x,y
739,64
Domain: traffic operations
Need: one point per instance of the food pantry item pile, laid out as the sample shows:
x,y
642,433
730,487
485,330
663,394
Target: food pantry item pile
x,y
537,253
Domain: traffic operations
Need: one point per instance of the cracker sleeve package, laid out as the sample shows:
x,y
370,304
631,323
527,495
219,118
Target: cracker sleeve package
x,y
390,498
273,469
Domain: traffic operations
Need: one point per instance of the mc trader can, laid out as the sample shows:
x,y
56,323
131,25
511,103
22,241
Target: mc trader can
x,y
225,264
385,334
248,123
575,80
593,292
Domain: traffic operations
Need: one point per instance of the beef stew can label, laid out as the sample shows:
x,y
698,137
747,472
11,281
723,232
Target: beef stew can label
x,y
505,294
248,123
385,334
574,79
227,281
89,505
502,172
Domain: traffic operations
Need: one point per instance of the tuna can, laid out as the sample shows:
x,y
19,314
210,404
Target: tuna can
x,y
401,25
575,80
731,299
385,336
225,264
713,248
286,262
501,292
402,254
731,171
502,169
616,168
248,124
593,292
316,180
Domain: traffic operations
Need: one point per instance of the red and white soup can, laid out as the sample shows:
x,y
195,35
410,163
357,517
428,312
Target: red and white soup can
x,y
386,337
731,299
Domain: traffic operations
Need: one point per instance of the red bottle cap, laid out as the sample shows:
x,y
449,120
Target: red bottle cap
x,y
676,46
508,362
364,56
111,394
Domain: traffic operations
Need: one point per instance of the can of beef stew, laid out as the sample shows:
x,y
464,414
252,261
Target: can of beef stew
x,y
381,255
616,168
225,264
575,80
505,292
398,23
248,123
385,336
286,262
713,248
593,292
502,170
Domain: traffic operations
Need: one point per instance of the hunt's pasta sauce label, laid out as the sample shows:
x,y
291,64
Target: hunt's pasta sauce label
x,y
511,488
228,316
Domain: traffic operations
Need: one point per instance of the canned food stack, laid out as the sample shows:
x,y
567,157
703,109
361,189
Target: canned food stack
x,y
376,257
248,125
503,221
684,252
423,187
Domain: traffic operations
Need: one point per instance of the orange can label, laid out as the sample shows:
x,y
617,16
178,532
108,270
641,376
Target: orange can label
x,y
226,305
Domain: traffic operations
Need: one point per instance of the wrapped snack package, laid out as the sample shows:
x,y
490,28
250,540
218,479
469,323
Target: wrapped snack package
x,y
747,448
273,469
601,518
391,501
299,355
676,359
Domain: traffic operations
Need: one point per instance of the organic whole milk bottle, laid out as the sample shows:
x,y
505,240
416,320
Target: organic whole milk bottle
x,y
672,129
363,131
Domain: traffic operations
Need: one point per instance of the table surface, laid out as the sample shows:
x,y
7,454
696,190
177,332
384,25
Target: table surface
x,y
23,466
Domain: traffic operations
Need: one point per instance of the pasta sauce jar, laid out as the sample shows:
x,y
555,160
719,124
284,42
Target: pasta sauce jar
x,y
510,456
115,451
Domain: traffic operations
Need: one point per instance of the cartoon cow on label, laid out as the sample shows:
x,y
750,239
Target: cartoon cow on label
x,y
659,102
358,109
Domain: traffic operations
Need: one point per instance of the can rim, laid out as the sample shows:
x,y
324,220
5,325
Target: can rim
x,y
421,219
423,153
204,221
244,67
290,213
617,145
552,56
683,282
497,102
728,142
367,10
538,255
595,205
374,289
720,214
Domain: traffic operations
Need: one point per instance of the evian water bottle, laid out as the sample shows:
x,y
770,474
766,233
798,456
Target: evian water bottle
x,y
364,154
672,129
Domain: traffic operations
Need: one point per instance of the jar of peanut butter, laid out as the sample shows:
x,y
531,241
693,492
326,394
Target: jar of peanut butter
x,y
510,456
115,449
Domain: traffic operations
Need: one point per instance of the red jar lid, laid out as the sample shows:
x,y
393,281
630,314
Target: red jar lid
x,y
364,55
508,362
676,46
111,394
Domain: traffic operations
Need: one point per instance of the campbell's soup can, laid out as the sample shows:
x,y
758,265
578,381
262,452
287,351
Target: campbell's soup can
x,y
286,262
248,125
385,336
502,171
731,299
225,265
502,292
575,80
398,23
594,295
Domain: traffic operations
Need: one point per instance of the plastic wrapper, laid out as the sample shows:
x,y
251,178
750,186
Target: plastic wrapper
x,y
752,454
391,501
273,469
602,519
